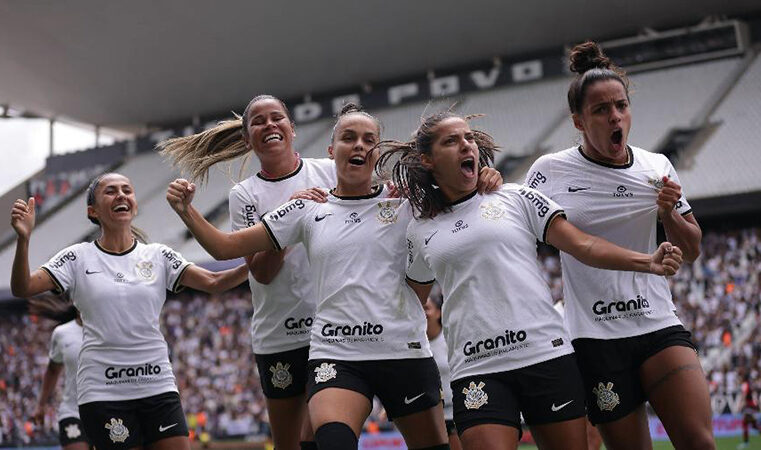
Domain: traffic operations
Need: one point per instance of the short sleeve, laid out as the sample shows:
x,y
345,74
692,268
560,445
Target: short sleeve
x,y
174,266
243,210
56,350
418,270
62,268
538,210
682,207
538,176
286,224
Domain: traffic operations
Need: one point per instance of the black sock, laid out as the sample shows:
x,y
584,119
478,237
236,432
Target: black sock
x,y
435,447
335,436
308,445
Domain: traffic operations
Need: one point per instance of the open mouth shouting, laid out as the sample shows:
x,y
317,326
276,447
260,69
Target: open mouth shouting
x,y
617,139
357,160
468,167
272,137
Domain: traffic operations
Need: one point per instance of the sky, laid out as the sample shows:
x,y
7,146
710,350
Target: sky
x,y
25,144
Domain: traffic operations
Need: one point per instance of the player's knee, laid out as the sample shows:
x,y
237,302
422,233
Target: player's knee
x,y
335,435
696,440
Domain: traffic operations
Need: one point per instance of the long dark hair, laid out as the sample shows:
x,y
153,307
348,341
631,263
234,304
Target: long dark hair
x,y
407,172
139,234
591,65
55,307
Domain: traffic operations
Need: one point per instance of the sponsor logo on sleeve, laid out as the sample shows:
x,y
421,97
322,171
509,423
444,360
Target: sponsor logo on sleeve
x,y
285,209
172,257
249,214
537,200
66,257
536,179
621,309
510,341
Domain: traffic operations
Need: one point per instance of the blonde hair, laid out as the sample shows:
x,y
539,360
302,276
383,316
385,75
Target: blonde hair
x,y
195,154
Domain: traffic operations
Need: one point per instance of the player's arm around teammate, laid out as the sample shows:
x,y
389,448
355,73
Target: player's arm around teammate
x,y
620,192
126,391
509,352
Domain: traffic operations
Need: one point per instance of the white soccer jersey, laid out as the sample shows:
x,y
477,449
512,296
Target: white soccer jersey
x,y
616,203
124,355
439,351
65,343
283,309
497,310
356,250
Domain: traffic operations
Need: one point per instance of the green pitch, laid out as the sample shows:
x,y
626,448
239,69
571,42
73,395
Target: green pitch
x,y
727,443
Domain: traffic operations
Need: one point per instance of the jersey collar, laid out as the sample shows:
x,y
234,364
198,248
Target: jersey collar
x,y
134,244
374,192
611,166
464,199
284,177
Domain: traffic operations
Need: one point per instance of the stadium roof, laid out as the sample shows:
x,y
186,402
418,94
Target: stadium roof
x,y
129,63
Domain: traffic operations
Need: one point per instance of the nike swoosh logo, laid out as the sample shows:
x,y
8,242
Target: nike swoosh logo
x,y
430,237
407,401
577,189
90,272
163,428
319,218
558,408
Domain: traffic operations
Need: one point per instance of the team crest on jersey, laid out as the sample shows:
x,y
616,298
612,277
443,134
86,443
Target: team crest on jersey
x,y
72,431
325,372
117,431
607,400
145,270
492,211
281,378
657,183
475,397
386,213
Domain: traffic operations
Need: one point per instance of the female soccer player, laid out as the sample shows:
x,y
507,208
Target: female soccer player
x,y
630,344
438,344
368,326
65,343
281,283
126,391
508,350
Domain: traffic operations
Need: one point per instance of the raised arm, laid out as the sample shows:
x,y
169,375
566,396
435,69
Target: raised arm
x,y
682,231
23,283
219,245
597,252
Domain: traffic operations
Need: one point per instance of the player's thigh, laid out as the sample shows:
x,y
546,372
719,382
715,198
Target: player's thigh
x,y
490,436
338,392
486,411
289,421
630,432
423,428
565,435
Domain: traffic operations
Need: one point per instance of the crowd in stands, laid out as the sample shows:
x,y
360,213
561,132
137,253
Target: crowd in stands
x,y
210,347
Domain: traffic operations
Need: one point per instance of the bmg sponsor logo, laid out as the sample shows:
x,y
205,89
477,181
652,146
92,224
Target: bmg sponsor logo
x,y
66,257
509,341
288,207
133,374
249,213
174,260
536,179
297,326
621,309
537,200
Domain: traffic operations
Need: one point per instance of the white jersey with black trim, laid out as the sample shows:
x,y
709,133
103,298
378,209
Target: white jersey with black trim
x,y
120,295
356,249
65,343
616,203
439,351
284,308
497,311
